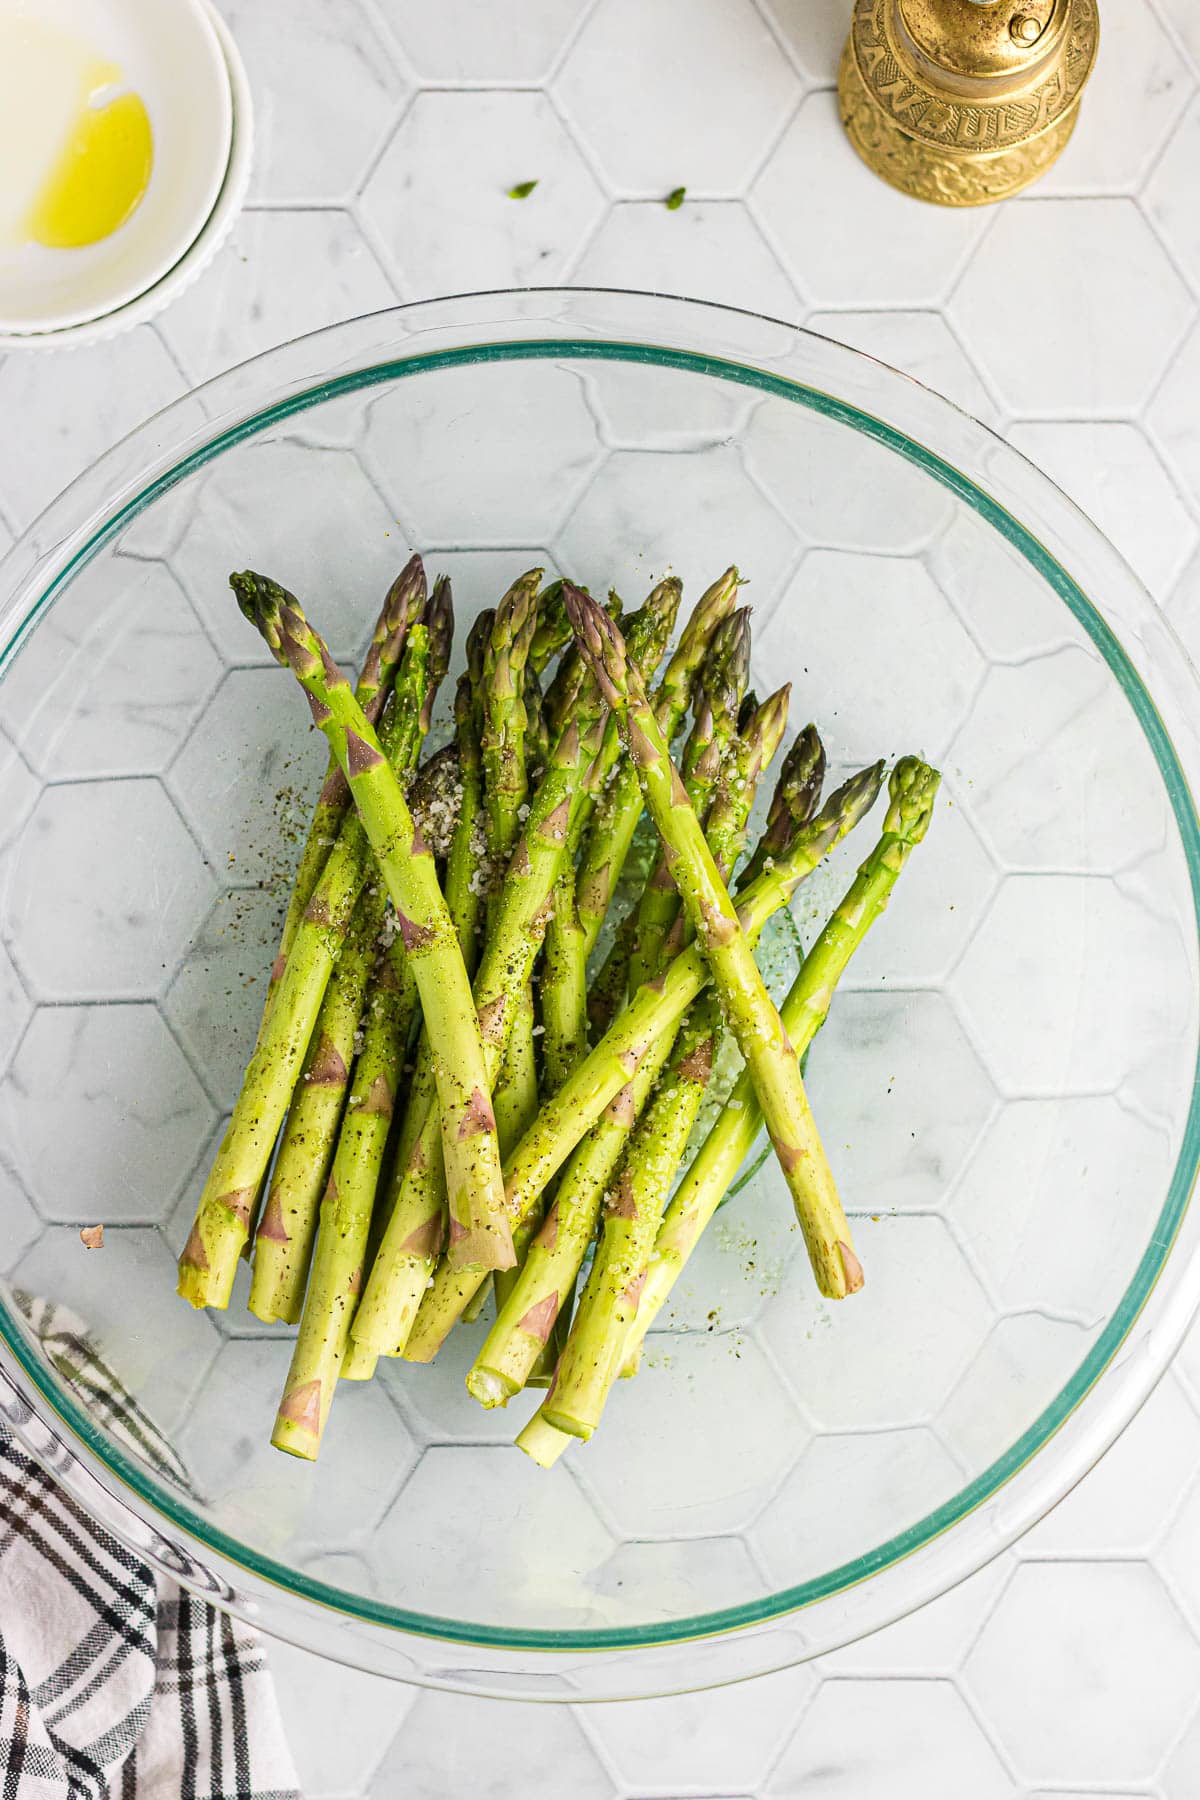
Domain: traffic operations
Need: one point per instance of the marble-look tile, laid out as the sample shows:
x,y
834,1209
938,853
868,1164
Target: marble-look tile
x,y
125,1294
680,1453
471,40
104,1118
1183,609
871,1486
1037,1016
901,1130
1135,93
215,1001
118,923
1053,770
459,474
1178,1556
1115,1510
15,1008
935,909
814,31
1169,196
724,1739
1085,1671
22,1225
1113,474
838,488
1045,1202
278,1502
435,1400
1026,311
111,386
544,1570
852,645
150,665
454,1744
245,777
827,215
19,788
1024,1364
889,1740
370,1711
644,1580
1180,1778
934,1639
708,249
235,520
1182,16
499,140
326,89
920,344
706,127
279,274
919,1295
1173,417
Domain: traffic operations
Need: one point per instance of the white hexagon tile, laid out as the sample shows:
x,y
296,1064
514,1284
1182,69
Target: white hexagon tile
x,y
388,137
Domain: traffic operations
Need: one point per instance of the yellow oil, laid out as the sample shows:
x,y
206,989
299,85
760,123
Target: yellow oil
x,y
100,177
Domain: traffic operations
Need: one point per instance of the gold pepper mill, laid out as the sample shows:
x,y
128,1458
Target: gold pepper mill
x,y
964,101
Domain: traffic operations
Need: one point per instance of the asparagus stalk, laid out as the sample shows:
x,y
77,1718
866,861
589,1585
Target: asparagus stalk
x,y
796,796
402,607
563,987
606,996
656,1008
592,1359
913,788
222,1223
647,634
412,1240
744,997
502,740
507,1357
479,1227
551,631
528,1314
719,690
283,1241
345,1220
607,844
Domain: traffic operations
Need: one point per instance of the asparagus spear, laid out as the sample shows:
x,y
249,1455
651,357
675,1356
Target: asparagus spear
x,y
478,1223
555,1257
620,808
345,1218
592,1358
552,630
744,997
563,986
402,607
221,1226
796,797
530,1310
913,788
412,1240
720,687
502,740
656,1008
647,633
283,1241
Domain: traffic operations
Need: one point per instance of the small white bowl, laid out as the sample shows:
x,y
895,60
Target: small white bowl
x,y
171,53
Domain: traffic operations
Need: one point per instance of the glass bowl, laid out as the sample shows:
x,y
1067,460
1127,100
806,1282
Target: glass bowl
x,y
1007,1082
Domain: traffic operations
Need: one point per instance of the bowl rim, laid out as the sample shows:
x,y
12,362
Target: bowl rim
x,y
725,343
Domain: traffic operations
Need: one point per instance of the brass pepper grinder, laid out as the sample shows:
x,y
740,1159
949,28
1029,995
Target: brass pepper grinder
x,y
964,101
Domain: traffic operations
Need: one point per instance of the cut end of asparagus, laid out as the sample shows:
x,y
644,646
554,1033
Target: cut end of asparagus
x,y
542,1442
566,1422
489,1388
851,1268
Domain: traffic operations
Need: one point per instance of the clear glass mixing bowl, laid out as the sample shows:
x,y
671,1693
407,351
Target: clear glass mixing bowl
x,y
1007,1083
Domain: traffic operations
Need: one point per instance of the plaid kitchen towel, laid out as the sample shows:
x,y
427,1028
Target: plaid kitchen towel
x,y
116,1684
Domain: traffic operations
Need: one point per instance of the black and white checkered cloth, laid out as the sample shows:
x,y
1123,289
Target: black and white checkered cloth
x,y
115,1684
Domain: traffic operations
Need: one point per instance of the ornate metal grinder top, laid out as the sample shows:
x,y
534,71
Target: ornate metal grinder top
x,y
964,101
